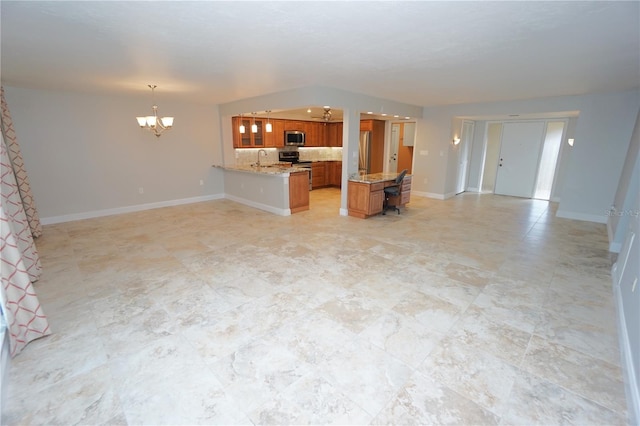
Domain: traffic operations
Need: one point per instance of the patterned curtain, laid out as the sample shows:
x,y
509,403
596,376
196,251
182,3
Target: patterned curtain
x,y
15,155
19,261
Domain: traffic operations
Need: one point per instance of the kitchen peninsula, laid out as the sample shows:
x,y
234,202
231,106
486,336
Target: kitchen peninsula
x,y
366,193
279,189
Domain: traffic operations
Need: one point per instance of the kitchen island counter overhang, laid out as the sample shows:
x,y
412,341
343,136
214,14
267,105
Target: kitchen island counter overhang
x,y
265,188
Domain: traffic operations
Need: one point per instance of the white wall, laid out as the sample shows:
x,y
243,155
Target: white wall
x,y
86,155
603,131
628,189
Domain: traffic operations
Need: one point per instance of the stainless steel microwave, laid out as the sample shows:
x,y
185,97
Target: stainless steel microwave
x,y
294,138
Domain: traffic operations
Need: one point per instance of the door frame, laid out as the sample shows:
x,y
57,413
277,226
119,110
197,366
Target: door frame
x,y
565,132
469,147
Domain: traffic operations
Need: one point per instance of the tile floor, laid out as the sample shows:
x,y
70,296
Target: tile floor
x,y
476,310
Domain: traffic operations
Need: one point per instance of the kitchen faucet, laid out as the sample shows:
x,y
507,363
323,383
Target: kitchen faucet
x,y
265,154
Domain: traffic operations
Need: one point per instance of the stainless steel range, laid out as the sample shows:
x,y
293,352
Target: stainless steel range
x,y
293,157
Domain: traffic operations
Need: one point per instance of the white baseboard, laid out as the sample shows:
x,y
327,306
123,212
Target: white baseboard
x,y
581,216
473,190
427,194
628,367
615,247
265,207
449,195
129,209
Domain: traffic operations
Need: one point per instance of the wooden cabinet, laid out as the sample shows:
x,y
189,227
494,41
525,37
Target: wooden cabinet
x,y
366,125
365,199
314,134
407,134
318,174
295,125
299,191
334,173
405,193
333,135
248,139
275,139
318,134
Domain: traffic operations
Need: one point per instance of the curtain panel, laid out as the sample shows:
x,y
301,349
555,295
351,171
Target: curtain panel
x,y
17,164
19,261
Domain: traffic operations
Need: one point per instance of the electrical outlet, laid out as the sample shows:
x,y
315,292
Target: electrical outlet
x,y
201,182
141,190
426,180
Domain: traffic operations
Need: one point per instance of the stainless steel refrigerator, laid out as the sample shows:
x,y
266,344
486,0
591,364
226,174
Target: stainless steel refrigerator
x,y
364,165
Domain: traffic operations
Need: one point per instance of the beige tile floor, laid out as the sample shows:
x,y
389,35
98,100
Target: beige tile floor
x,y
476,310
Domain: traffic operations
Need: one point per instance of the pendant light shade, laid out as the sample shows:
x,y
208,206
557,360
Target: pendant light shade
x,y
268,127
241,129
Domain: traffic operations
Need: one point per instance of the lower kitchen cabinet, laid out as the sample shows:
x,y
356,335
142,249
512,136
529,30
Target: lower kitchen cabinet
x,y
299,191
335,173
326,173
365,199
318,174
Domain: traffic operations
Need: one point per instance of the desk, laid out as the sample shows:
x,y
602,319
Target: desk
x,y
366,193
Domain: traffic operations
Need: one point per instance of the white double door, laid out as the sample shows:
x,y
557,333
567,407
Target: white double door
x,y
519,158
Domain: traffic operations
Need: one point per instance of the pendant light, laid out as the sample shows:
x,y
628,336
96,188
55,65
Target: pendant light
x,y
268,127
241,129
254,126
153,123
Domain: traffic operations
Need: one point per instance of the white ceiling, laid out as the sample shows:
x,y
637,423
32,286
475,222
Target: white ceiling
x,y
419,53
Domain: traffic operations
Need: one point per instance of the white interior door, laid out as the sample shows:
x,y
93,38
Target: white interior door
x,y
519,156
393,148
464,152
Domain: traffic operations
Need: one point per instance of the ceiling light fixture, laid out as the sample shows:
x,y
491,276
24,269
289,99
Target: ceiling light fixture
x,y
254,126
268,127
151,122
326,115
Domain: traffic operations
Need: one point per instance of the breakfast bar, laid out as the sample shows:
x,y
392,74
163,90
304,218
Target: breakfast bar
x,y
279,189
366,193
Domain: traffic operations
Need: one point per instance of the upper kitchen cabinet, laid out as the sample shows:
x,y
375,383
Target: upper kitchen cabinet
x,y
294,125
248,139
315,133
333,135
275,138
408,134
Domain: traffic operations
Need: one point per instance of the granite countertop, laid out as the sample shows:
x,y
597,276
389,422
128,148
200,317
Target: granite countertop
x,y
267,169
374,177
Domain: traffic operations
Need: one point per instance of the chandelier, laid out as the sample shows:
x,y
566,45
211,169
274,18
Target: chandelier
x,y
153,123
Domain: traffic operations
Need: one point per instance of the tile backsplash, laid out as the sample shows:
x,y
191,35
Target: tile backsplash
x,y
247,156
